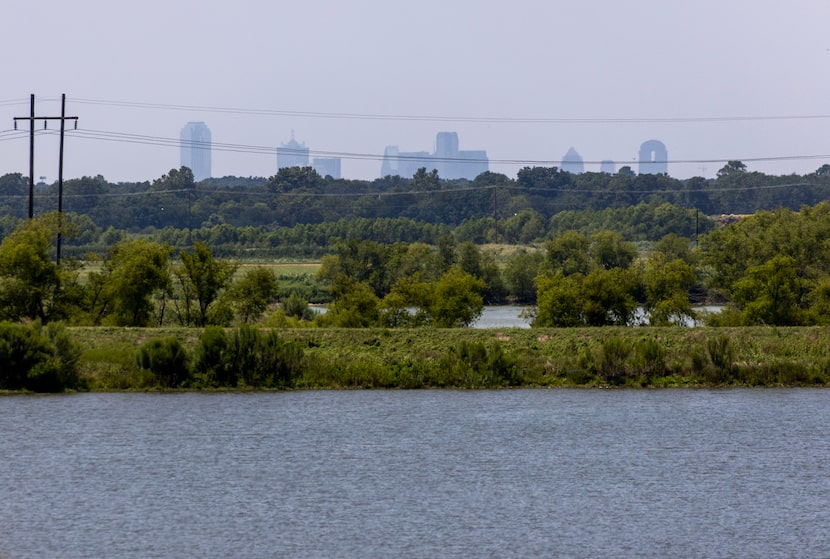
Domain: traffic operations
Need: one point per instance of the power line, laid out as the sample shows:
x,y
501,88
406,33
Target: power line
x,y
103,135
448,118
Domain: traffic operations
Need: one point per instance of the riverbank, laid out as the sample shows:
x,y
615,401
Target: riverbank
x,y
470,358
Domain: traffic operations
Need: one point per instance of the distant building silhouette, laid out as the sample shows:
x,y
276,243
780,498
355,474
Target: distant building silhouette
x,y
572,162
448,160
327,166
292,154
607,166
195,149
653,158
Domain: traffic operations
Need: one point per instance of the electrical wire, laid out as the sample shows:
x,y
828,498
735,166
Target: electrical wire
x,y
444,118
269,150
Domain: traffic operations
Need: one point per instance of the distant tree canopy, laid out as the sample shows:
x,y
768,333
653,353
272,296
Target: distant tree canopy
x,y
298,195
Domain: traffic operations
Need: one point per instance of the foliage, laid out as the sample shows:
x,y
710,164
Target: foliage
x,y
667,284
474,365
456,299
355,305
134,271
29,279
167,359
201,278
37,358
772,265
253,293
297,307
249,357
405,358
520,274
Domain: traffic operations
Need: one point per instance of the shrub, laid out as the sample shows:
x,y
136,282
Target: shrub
x,y
473,365
649,358
295,305
612,361
37,358
721,354
249,356
210,364
167,359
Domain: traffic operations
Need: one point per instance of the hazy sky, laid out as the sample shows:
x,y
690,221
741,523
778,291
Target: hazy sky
x,y
524,80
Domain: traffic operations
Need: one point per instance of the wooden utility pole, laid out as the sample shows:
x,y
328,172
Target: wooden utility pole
x,y
32,118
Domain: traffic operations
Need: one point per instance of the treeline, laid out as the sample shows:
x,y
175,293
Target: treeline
x,y
768,268
300,196
645,222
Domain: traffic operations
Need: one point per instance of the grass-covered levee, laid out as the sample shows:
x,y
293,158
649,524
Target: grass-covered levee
x,y
251,358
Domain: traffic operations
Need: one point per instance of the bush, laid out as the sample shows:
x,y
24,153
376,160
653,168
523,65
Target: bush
x,y
167,359
210,365
721,354
649,358
295,305
249,356
612,361
37,358
473,365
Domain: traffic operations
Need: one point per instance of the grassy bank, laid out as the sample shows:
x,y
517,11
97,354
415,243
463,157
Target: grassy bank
x,y
467,358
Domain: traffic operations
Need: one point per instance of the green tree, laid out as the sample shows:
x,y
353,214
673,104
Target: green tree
x,y
667,284
569,253
732,168
673,247
608,297
457,299
609,250
520,274
202,278
355,305
295,179
425,181
253,293
559,301
408,293
30,282
133,272
771,293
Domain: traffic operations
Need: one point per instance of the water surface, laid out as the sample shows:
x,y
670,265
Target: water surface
x,y
512,473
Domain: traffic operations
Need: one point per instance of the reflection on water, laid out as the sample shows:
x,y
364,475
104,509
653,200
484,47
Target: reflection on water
x,y
511,317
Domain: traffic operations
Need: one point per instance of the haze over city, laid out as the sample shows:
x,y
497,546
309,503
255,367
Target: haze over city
x,y
525,81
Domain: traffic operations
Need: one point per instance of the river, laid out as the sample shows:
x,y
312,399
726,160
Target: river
x,y
512,473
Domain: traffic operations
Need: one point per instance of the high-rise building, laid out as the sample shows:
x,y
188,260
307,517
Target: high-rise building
x,y
654,158
327,166
292,154
448,160
607,166
572,162
195,149
404,163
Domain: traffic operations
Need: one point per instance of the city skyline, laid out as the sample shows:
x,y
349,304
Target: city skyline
x,y
448,160
715,81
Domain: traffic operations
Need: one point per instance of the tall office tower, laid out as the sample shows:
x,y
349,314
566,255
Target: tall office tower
x,y
327,166
572,162
292,154
195,149
654,158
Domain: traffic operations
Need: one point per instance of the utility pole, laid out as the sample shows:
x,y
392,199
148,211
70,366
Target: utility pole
x,y
32,118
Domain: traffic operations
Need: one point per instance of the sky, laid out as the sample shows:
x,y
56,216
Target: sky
x,y
714,80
